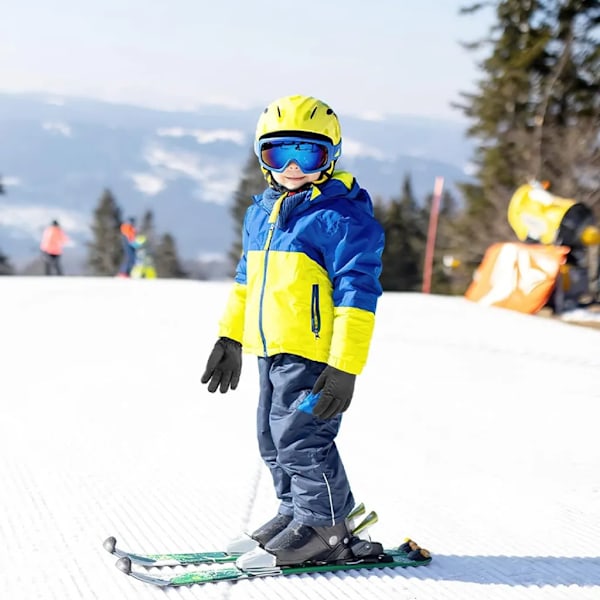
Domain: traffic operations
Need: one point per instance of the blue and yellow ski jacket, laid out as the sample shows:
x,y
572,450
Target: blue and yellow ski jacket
x,y
308,279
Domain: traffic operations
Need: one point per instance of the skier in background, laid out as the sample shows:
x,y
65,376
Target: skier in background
x,y
53,241
143,267
304,302
128,235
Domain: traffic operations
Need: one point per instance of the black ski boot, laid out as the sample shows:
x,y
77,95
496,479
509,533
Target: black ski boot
x,y
270,529
299,543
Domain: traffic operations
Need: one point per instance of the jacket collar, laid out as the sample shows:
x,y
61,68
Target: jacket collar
x,y
340,184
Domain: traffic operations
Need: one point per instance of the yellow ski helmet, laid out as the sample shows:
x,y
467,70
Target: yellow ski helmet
x,y
302,116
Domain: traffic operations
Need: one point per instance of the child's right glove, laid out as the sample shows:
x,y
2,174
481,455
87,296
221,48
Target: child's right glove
x,y
335,389
224,365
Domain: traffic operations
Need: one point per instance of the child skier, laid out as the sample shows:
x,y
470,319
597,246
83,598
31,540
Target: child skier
x,y
128,234
143,267
304,302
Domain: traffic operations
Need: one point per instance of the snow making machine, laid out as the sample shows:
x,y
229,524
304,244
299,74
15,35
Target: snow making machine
x,y
554,262
538,216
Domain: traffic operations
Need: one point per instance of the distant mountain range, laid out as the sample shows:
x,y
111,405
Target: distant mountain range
x,y
58,154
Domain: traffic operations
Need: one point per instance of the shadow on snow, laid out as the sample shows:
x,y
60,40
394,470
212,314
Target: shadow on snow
x,y
511,570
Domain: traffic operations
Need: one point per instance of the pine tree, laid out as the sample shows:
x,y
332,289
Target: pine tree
x,y
5,267
403,223
105,251
536,102
147,227
166,259
444,279
567,127
251,183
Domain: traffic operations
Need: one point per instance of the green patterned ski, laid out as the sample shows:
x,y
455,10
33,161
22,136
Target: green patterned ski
x,y
198,558
405,556
168,560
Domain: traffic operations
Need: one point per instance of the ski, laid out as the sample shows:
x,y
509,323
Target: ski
x,y
407,555
197,558
169,559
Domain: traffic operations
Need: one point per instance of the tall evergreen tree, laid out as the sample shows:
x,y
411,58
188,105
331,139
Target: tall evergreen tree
x,y
5,267
567,125
148,229
443,279
147,226
403,223
251,183
105,251
538,96
166,259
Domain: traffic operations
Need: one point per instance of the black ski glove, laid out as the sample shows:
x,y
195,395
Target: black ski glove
x,y
336,388
224,365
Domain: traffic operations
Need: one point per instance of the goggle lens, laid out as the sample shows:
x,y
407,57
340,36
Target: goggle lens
x,y
311,157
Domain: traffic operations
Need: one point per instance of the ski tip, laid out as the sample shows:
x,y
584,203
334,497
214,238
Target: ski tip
x,y
124,564
109,544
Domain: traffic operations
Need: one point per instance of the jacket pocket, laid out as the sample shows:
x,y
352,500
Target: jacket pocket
x,y
315,311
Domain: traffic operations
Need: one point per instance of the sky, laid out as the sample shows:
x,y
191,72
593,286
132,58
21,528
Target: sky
x,y
363,58
473,430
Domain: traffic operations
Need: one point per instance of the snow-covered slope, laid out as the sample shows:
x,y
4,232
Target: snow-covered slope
x,y
473,430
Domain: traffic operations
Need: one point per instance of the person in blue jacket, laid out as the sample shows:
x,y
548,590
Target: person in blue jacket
x,y
303,301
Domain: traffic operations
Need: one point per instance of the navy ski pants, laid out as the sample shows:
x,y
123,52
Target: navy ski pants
x,y
299,449
128,258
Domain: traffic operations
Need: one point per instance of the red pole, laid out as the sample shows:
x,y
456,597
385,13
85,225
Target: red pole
x,y
431,232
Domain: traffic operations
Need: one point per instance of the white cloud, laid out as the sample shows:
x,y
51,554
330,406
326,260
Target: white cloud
x,y
57,127
218,191
205,136
370,115
215,184
229,101
353,149
182,163
31,220
148,183
55,101
416,152
10,181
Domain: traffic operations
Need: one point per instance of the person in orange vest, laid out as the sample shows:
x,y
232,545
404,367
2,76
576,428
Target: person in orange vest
x,y
128,235
53,241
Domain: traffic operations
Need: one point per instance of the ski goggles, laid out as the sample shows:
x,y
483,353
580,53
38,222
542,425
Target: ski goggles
x,y
312,156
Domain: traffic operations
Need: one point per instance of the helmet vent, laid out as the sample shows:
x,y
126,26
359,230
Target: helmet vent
x,y
329,111
278,112
314,110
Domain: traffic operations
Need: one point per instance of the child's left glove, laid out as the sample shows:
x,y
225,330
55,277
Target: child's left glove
x,y
335,389
224,365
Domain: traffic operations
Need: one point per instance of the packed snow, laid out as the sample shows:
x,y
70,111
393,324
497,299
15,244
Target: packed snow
x,y
473,430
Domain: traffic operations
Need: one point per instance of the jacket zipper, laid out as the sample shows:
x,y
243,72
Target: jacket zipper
x,y
315,312
266,248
